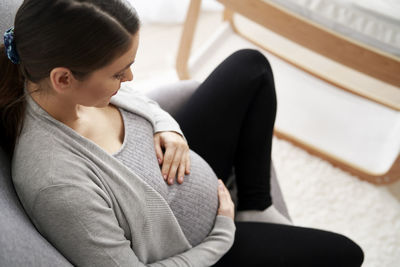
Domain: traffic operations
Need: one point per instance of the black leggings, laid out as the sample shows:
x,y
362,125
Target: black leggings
x,y
229,121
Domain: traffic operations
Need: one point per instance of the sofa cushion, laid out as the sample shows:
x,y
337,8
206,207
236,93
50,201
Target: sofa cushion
x,y
7,14
20,242
172,96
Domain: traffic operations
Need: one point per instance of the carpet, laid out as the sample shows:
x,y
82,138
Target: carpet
x,y
321,196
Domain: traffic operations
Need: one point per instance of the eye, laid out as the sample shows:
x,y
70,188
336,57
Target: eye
x,y
119,76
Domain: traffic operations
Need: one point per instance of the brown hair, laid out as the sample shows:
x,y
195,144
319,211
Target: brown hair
x,y
81,35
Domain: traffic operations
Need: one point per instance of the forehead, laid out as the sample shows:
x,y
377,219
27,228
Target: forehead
x,y
126,58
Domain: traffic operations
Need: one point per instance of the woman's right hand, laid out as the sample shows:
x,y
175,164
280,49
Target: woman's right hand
x,y
226,206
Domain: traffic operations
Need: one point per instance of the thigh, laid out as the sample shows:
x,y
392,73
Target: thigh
x,y
212,118
267,244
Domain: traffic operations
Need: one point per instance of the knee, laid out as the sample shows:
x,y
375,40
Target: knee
x,y
252,59
251,65
357,252
350,251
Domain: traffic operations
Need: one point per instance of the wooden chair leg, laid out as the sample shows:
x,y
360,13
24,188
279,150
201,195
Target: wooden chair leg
x,y
228,14
186,42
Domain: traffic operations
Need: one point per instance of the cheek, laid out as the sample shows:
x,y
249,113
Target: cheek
x,y
112,86
104,87
98,88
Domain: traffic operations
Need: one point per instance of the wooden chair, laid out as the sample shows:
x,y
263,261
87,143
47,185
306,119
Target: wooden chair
x,y
336,59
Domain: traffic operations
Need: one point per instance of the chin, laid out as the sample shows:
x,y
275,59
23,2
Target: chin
x,y
102,104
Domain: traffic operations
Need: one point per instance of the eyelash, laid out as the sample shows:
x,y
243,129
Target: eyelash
x,y
119,76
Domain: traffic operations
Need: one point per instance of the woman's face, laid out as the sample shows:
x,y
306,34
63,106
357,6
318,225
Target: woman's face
x,y
102,84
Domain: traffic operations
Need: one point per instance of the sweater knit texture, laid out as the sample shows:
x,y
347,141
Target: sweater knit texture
x,y
194,203
98,212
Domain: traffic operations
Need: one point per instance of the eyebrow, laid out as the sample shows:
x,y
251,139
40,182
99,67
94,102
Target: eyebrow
x,y
127,66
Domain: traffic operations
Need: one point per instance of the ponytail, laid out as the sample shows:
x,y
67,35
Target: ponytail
x,y
81,35
12,102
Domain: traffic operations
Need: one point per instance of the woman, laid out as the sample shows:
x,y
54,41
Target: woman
x,y
94,163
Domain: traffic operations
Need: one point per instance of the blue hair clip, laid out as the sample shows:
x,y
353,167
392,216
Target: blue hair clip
x,y
9,44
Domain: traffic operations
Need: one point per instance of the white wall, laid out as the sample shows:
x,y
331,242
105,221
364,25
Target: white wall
x,y
167,11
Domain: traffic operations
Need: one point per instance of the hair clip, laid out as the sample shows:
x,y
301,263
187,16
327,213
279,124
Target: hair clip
x,y
9,44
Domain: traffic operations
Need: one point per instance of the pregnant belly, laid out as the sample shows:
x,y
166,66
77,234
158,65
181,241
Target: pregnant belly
x,y
195,201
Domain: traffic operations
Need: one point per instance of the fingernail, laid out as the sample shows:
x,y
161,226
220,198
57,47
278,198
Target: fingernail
x,y
181,179
165,177
159,161
170,181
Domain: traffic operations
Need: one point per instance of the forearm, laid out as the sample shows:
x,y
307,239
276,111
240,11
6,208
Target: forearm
x,y
207,253
137,102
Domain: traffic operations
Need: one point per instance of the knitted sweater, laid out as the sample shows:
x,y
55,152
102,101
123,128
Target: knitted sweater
x,y
94,209
194,203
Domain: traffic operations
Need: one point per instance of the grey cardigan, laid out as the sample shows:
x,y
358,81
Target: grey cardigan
x,y
95,210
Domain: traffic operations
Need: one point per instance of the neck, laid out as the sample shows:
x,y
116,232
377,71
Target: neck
x,y
58,107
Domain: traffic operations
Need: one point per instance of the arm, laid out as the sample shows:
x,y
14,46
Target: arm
x,y
211,249
207,253
81,225
162,120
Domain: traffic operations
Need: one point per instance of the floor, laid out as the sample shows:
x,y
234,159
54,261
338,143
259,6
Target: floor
x,y
317,194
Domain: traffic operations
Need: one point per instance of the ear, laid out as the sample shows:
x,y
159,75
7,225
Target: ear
x,y
61,79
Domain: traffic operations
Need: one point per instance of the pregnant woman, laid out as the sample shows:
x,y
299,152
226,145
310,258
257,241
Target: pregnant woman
x,y
110,179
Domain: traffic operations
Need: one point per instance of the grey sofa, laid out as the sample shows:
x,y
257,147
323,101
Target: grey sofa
x,y
20,243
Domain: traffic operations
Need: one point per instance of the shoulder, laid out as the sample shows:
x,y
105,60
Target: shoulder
x,y
70,197
43,152
47,147
41,160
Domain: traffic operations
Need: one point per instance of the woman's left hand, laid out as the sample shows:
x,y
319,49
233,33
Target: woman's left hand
x,y
176,157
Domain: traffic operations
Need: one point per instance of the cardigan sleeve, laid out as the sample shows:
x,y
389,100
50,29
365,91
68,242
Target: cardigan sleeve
x,y
162,120
207,253
81,224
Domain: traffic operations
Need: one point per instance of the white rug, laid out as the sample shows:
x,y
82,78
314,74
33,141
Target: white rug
x,y
322,196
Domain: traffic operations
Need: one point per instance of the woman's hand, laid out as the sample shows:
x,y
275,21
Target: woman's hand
x,y
226,206
176,158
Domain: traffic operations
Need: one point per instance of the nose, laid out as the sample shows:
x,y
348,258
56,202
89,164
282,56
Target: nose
x,y
128,75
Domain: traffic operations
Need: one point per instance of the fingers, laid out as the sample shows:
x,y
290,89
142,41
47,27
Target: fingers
x,y
168,159
174,166
159,152
174,163
176,158
181,172
226,206
184,166
223,191
187,162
